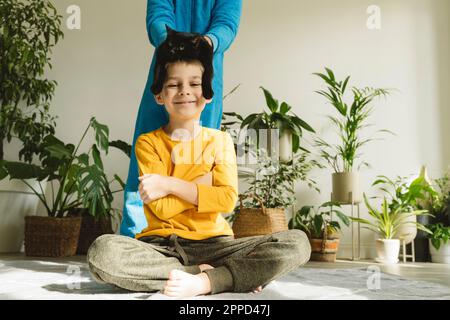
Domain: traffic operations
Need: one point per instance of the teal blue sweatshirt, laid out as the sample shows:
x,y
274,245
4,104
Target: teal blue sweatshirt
x,y
219,20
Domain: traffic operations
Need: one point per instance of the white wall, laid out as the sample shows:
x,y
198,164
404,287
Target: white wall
x,y
102,69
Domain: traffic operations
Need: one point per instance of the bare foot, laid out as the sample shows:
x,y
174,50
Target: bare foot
x,y
184,285
257,290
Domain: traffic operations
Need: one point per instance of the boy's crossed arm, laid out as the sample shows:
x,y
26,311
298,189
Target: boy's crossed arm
x,y
168,196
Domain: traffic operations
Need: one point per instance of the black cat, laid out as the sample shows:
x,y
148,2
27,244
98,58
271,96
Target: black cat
x,y
184,46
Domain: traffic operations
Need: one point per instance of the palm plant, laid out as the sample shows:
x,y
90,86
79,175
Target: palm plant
x,y
386,222
350,121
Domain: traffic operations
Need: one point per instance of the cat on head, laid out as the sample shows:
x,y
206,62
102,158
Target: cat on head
x,y
186,47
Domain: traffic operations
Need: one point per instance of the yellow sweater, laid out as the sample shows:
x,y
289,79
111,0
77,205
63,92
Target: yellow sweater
x,y
211,150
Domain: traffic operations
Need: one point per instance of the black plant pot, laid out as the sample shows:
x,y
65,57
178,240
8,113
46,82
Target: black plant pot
x,y
421,244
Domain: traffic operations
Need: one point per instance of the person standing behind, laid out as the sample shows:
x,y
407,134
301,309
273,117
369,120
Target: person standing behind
x,y
218,22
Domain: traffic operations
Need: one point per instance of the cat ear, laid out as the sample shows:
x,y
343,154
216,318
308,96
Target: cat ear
x,y
170,31
196,41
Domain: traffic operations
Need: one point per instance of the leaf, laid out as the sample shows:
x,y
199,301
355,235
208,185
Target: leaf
x,y
96,156
270,101
301,123
94,190
121,145
101,134
284,108
122,184
20,170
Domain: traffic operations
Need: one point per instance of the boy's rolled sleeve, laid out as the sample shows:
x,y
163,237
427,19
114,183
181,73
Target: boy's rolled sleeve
x,y
223,194
225,20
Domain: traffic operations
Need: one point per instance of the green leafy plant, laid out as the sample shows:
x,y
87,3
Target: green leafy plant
x,y
273,180
80,179
440,235
351,119
314,221
277,118
439,201
386,222
404,196
29,29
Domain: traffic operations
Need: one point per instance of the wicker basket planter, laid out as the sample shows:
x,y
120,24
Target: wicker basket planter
x,y
51,237
258,221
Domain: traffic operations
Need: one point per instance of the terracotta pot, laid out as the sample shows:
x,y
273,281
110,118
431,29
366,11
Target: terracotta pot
x,y
346,185
326,253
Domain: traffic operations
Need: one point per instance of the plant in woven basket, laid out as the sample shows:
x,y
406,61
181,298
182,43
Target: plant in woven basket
x,y
76,179
261,207
321,229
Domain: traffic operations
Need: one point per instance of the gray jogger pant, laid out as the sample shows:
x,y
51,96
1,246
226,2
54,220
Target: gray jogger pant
x,y
240,265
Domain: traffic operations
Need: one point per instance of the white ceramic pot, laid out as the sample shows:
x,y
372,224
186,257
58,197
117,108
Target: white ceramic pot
x,y
16,202
346,187
286,146
407,230
387,250
442,255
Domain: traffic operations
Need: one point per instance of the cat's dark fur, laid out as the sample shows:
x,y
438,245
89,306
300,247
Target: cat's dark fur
x,y
183,46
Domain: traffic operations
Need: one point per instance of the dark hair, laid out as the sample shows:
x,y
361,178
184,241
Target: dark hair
x,y
187,47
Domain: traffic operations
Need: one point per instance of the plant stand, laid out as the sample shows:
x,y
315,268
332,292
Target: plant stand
x,y
356,244
403,254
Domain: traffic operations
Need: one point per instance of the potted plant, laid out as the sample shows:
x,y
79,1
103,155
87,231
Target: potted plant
x,y
80,181
439,201
321,229
404,197
28,32
439,244
270,191
385,223
103,222
351,119
438,204
290,127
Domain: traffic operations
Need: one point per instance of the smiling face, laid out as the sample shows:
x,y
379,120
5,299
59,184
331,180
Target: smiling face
x,y
182,93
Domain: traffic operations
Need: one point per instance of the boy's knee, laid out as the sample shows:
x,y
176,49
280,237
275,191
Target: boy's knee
x,y
301,247
101,251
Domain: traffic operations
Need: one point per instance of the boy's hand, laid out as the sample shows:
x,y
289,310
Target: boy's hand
x,y
153,187
205,179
